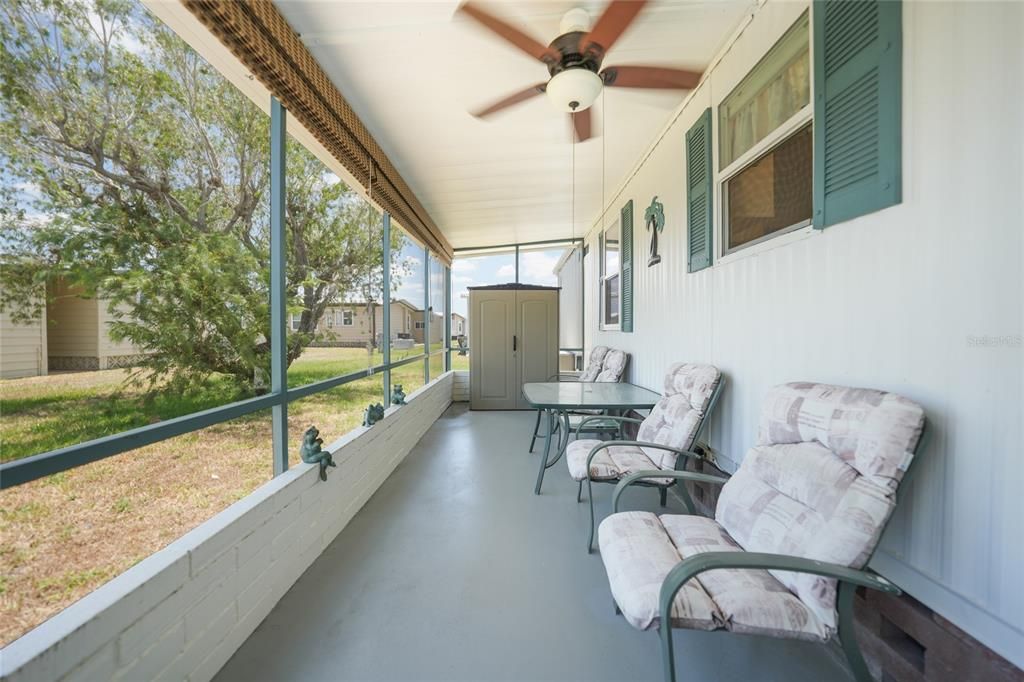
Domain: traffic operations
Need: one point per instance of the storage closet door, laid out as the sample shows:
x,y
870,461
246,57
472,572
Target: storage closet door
x,y
537,339
492,367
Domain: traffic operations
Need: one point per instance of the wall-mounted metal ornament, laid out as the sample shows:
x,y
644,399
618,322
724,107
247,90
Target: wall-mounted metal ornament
x,y
312,452
373,414
397,395
654,218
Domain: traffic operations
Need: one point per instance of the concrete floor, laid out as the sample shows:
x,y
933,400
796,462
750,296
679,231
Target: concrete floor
x,y
455,570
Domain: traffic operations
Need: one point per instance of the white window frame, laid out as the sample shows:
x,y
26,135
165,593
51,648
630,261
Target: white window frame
x,y
347,318
793,233
295,321
601,277
419,325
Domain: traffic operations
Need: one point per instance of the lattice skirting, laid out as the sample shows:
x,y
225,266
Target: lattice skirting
x,y
68,363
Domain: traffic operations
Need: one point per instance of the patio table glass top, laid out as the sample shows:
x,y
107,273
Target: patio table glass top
x,y
553,395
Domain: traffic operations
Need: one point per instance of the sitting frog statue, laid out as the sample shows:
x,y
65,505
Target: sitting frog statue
x,y
397,395
373,414
312,453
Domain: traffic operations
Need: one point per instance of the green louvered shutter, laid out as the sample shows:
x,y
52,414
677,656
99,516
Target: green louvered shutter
x,y
698,193
857,82
626,322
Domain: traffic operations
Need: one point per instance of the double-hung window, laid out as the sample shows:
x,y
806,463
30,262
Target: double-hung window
x,y
611,280
346,318
766,143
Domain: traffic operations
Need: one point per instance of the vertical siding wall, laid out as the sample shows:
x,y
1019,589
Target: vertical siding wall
x,y
22,348
925,299
182,612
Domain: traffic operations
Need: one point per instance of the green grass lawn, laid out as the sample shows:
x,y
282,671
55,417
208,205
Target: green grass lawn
x,y
56,533
40,414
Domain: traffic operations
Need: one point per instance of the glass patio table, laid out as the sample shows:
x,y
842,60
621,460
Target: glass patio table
x,y
558,399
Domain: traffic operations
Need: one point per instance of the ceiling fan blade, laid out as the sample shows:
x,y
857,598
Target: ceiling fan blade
x,y
581,124
510,33
613,22
650,77
514,98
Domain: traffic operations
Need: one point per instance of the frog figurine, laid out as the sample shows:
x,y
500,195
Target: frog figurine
x,y
397,395
312,452
374,413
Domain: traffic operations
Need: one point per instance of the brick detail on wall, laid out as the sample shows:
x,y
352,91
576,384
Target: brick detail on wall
x,y
183,611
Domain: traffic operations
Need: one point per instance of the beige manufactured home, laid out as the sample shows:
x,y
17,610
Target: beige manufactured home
x,y
75,336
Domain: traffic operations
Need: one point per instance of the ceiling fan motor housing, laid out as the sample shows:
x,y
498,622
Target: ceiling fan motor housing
x,y
574,83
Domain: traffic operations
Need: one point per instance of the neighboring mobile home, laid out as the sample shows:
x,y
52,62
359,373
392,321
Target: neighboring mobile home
x,y
352,325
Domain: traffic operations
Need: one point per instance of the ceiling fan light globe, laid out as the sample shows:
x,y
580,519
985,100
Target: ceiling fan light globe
x,y
576,19
574,89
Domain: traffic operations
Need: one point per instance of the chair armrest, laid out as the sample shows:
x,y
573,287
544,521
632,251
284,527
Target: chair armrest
x,y
607,417
629,480
707,561
644,444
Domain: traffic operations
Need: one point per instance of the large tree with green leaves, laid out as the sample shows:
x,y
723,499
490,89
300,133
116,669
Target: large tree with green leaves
x,y
132,169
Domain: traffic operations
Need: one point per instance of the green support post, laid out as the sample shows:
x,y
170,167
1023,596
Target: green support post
x,y
447,319
385,337
278,308
426,314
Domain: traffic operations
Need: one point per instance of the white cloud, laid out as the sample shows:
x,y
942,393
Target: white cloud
x,y
508,270
463,266
538,267
461,279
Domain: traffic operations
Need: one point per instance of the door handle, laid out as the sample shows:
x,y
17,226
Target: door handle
x,y
513,343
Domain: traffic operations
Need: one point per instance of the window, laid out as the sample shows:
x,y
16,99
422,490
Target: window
x,y
610,279
419,325
766,145
771,194
296,320
346,318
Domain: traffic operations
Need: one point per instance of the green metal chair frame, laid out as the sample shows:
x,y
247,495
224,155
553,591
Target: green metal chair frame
x,y
681,458
849,578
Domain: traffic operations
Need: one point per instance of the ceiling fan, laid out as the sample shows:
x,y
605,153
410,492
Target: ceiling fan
x,y
574,61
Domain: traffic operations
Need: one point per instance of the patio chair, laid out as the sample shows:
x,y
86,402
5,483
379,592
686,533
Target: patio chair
x,y
793,529
664,439
604,364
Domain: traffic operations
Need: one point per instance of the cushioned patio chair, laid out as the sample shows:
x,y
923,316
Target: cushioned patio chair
x,y
604,365
793,529
664,439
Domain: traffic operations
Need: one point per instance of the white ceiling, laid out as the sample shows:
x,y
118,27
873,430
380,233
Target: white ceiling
x,y
412,71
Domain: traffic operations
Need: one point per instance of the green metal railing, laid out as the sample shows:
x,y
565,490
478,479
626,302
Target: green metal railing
x,y
27,469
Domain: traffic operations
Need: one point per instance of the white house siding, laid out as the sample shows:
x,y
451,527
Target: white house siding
x,y
924,298
570,323
114,353
182,612
22,348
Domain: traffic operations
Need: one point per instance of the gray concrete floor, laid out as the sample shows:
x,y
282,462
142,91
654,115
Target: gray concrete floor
x,y
455,570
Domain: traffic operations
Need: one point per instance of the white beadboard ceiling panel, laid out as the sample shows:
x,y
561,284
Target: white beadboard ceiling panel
x,y
413,71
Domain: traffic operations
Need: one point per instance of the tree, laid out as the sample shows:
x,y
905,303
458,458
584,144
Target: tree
x,y
133,169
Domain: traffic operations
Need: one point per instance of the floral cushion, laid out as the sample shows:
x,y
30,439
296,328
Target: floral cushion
x,y
594,363
613,367
638,555
822,481
609,464
676,418
639,549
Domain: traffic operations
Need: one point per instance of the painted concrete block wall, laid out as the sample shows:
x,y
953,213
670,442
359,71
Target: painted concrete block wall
x,y
182,612
460,386
925,298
